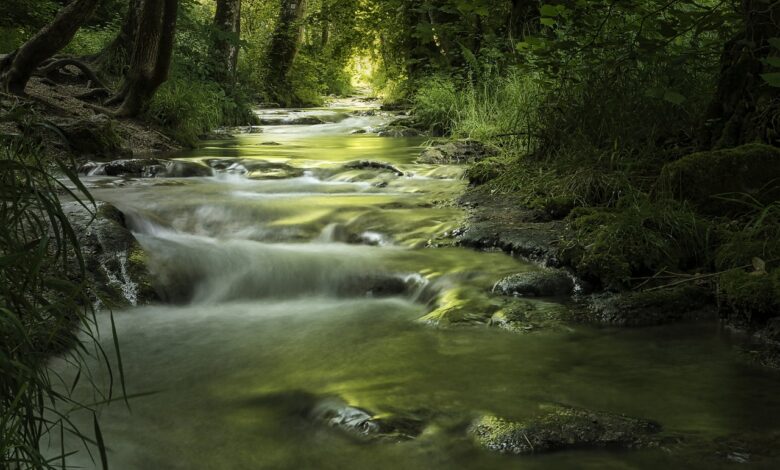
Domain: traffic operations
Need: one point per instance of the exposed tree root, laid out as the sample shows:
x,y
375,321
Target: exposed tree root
x,y
85,69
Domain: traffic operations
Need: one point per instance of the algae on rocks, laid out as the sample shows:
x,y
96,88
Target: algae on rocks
x,y
559,427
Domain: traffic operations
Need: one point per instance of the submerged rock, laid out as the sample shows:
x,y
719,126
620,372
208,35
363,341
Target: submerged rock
x,y
526,316
560,427
458,151
544,283
649,308
372,165
365,425
298,121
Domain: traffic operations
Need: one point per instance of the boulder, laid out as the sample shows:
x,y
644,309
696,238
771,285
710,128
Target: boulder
x,y
116,262
701,177
649,308
457,151
372,165
560,427
146,168
399,131
543,283
95,135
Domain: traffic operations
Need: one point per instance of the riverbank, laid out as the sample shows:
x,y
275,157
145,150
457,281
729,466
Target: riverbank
x,y
650,262
70,124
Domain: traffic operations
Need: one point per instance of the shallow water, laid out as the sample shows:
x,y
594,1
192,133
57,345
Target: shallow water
x,y
274,307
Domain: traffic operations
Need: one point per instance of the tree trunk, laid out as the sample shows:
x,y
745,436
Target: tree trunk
x,y
745,108
284,43
16,69
151,59
227,22
116,56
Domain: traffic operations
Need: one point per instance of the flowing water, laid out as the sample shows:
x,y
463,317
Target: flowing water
x,y
291,278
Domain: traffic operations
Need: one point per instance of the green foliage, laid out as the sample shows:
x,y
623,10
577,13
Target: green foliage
x,y
750,298
436,103
44,302
91,40
611,247
728,181
188,109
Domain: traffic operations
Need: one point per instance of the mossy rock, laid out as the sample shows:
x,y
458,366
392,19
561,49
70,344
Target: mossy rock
x,y
93,136
527,316
749,299
649,308
486,170
700,177
560,427
542,283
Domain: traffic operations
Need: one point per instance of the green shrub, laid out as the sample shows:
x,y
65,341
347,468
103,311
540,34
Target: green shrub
x,y
436,103
187,109
45,301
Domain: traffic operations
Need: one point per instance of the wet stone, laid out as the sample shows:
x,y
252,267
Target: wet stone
x,y
544,283
559,427
365,425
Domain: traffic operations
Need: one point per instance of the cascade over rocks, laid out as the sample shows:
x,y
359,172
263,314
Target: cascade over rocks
x,y
114,257
146,168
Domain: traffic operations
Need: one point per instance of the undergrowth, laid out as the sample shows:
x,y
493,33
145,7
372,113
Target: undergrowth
x,y
45,305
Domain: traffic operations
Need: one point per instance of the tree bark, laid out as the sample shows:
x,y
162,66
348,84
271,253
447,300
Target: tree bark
x,y
151,59
116,56
746,108
285,43
227,21
18,67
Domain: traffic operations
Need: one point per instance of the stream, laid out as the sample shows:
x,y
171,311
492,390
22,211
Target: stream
x,y
292,278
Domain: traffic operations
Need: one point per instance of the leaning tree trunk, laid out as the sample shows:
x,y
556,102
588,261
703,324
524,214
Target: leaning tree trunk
x,y
115,57
151,59
746,107
19,66
285,42
227,21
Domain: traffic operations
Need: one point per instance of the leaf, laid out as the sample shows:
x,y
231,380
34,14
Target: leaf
x,y
549,10
100,443
773,79
547,21
772,61
759,265
774,42
674,97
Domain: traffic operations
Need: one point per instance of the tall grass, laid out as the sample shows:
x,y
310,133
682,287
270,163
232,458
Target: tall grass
x,y
45,305
188,108
499,107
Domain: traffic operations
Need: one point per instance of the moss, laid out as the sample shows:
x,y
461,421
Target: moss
x,y
462,305
609,247
486,170
750,298
700,177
